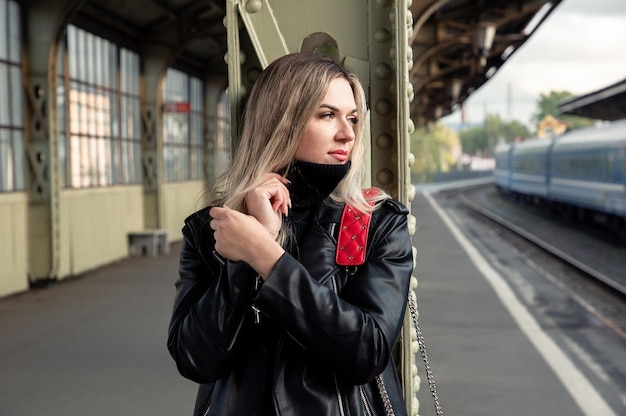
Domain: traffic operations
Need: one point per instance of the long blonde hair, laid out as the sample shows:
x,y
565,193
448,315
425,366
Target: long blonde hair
x,y
283,99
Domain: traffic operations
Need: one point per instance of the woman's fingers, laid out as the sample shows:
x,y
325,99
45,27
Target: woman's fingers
x,y
269,201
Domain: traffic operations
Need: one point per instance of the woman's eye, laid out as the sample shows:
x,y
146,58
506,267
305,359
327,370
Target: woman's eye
x,y
354,120
327,115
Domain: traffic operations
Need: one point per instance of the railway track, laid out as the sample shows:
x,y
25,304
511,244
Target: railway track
x,y
600,292
609,281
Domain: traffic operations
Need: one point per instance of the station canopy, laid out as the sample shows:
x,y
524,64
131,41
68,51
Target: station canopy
x,y
605,104
457,45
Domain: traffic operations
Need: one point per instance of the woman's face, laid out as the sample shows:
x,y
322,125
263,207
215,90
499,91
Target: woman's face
x,y
329,133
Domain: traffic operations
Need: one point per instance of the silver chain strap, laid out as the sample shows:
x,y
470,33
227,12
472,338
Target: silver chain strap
x,y
384,395
423,353
429,372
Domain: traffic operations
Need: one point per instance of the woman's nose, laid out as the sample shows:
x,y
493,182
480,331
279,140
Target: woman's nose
x,y
346,131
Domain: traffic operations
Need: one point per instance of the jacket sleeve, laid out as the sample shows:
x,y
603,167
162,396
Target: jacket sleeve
x,y
212,300
354,331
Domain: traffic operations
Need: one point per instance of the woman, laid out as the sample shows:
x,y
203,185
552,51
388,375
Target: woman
x,y
264,318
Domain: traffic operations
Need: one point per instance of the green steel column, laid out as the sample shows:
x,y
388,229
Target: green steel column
x,y
155,60
42,142
391,59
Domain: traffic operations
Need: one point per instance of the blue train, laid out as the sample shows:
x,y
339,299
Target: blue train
x,y
582,171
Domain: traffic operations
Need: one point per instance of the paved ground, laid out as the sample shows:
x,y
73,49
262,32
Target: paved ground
x,y
94,345
483,363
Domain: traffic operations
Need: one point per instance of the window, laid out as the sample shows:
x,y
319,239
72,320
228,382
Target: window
x,y
183,131
99,113
11,112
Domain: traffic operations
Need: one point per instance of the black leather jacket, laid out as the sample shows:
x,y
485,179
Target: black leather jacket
x,y
311,339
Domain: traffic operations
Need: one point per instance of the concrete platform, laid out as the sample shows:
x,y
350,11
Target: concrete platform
x,y
94,345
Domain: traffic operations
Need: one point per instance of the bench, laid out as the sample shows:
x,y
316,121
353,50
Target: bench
x,y
148,242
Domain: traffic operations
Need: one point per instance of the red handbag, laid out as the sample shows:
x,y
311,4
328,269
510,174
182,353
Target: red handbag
x,y
351,250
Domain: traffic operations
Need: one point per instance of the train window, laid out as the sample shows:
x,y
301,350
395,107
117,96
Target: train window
x,y
594,167
11,113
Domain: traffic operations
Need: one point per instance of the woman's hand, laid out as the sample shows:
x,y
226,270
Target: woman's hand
x,y
241,237
269,201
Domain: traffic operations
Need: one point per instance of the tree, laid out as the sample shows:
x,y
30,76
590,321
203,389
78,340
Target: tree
x,y
481,140
548,104
436,148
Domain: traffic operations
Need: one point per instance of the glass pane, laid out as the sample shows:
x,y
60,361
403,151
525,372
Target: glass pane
x,y
4,94
81,55
114,120
89,58
4,53
72,49
184,164
90,111
63,158
124,72
112,67
135,74
134,118
115,163
98,61
104,162
125,120
17,119
14,33
127,167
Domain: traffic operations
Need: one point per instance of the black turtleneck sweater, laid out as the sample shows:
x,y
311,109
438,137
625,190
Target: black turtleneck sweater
x,y
310,184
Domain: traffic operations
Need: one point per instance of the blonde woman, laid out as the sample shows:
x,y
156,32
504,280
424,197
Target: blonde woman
x,y
265,319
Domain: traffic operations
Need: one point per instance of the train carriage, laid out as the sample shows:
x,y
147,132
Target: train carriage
x,y
587,169
502,171
529,168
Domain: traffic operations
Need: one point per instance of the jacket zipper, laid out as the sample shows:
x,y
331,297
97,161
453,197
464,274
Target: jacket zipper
x,y
236,335
257,317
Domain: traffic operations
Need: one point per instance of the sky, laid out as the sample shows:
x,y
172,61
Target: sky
x,y
579,48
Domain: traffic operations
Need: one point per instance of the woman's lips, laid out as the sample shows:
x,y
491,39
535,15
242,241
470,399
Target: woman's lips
x,y
340,155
